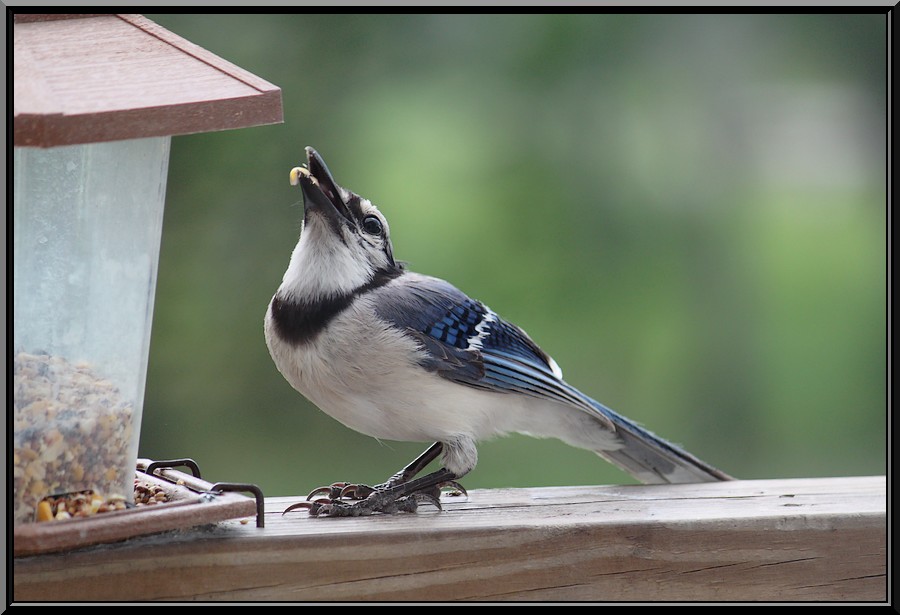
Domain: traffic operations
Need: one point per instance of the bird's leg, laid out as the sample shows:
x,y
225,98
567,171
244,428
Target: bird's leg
x,y
401,497
407,474
414,467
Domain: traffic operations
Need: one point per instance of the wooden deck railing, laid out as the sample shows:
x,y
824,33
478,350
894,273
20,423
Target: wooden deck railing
x,y
818,539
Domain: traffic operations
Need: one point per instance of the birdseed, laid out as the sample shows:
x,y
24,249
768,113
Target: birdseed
x,y
87,503
72,433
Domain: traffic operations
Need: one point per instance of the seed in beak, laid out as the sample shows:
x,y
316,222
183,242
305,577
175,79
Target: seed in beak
x,y
296,172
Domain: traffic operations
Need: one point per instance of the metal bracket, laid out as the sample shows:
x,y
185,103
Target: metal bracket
x,y
175,463
242,487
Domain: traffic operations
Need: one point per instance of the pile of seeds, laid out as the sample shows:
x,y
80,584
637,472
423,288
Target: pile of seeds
x,y
148,494
77,504
87,503
72,432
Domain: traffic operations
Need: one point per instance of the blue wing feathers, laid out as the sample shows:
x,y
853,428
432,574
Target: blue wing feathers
x,y
458,324
466,342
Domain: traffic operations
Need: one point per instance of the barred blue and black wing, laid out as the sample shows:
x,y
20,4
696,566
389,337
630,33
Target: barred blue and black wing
x,y
468,343
465,341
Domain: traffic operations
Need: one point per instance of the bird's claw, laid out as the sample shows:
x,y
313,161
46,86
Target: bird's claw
x,y
339,491
353,491
454,489
322,506
357,492
376,502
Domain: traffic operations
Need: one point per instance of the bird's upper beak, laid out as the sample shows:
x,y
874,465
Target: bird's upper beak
x,y
320,192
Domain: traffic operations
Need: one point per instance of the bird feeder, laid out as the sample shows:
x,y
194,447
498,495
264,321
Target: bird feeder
x,y
97,99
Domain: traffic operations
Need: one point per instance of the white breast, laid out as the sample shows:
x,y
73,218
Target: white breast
x,y
364,374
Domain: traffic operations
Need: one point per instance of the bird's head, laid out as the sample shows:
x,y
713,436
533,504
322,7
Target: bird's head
x,y
344,244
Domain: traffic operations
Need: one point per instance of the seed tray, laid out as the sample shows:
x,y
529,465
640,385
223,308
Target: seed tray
x,y
191,502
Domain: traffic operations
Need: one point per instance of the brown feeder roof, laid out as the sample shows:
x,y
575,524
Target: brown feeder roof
x,y
91,78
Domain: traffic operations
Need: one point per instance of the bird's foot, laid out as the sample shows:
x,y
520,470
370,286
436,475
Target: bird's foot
x,y
400,493
340,491
377,501
385,498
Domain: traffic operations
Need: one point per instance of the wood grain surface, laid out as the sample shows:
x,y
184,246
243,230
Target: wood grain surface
x,y
821,539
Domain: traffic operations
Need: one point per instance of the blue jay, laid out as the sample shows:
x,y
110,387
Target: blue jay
x,y
402,356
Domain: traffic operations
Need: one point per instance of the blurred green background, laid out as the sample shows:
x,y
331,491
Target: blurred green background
x,y
686,211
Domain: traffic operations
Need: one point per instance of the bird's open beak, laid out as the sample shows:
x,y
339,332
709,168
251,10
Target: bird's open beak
x,y
320,191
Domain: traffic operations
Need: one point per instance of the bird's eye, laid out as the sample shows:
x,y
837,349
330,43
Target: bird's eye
x,y
372,225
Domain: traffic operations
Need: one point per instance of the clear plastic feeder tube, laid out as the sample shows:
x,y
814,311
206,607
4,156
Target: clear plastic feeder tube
x,y
86,232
